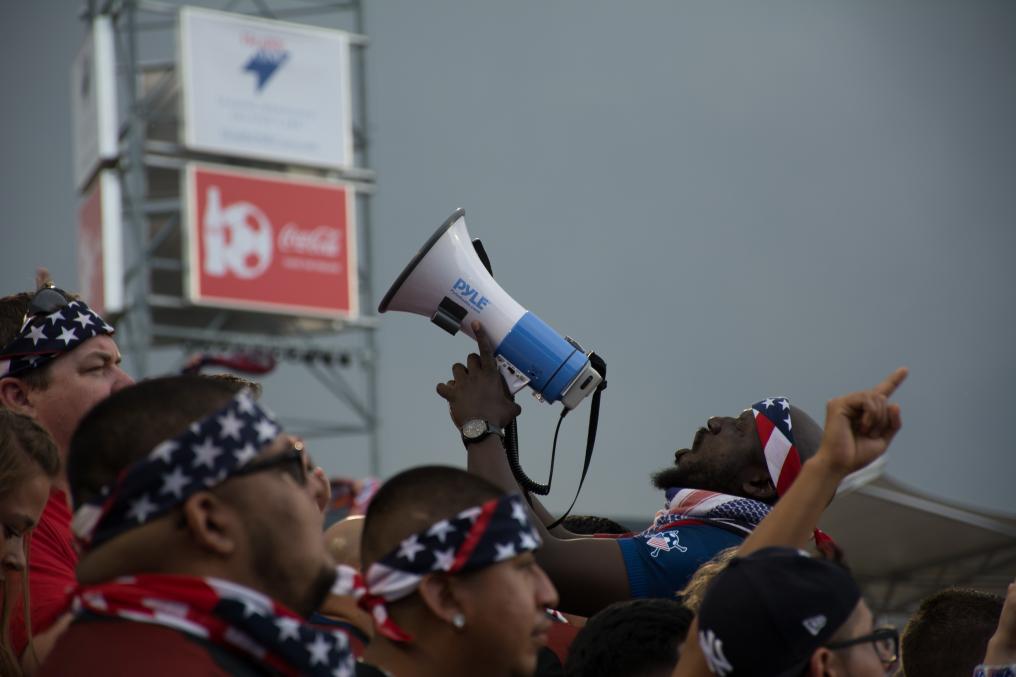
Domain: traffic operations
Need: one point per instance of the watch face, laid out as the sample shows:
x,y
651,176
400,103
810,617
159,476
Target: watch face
x,y
474,428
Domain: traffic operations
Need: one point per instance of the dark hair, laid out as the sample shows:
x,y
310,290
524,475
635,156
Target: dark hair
x,y
949,632
629,639
414,500
24,445
12,315
131,422
587,525
25,449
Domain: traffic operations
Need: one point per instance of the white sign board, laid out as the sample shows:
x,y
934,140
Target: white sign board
x,y
100,245
265,89
93,102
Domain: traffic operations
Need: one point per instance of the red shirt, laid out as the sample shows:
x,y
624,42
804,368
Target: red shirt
x,y
51,563
117,648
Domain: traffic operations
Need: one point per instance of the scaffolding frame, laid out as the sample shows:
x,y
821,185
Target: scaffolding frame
x,y
341,355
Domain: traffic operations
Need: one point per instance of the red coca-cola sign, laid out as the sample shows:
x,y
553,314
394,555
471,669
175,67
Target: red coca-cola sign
x,y
272,242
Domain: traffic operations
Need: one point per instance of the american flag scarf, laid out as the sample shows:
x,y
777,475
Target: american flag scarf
x,y
45,337
477,537
226,614
201,457
698,506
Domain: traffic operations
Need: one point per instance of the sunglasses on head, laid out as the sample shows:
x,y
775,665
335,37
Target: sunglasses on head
x,y
46,300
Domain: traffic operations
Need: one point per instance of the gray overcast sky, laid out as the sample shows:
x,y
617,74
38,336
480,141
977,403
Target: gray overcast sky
x,y
726,200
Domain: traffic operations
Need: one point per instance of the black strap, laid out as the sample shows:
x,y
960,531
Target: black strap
x,y
512,445
594,420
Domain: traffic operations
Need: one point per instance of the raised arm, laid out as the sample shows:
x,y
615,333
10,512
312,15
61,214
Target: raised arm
x,y
589,572
858,430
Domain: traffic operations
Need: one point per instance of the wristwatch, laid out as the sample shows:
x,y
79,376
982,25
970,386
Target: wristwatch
x,y
476,429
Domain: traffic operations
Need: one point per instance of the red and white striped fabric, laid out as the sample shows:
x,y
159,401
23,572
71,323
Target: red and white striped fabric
x,y
775,431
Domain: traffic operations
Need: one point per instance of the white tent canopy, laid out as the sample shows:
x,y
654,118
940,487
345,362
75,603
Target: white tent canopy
x,y
903,544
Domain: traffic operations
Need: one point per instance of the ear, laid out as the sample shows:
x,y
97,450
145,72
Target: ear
x,y
14,395
214,525
440,596
822,663
758,485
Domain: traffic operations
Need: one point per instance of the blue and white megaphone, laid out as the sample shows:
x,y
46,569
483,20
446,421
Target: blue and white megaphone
x,y
449,283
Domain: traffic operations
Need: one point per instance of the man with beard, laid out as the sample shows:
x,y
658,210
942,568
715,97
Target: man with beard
x,y
202,549
717,491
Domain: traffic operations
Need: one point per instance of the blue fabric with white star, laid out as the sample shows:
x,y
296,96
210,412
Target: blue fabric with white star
x,y
43,338
472,539
477,537
201,457
495,531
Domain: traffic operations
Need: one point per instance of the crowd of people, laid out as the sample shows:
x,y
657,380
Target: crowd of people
x,y
172,527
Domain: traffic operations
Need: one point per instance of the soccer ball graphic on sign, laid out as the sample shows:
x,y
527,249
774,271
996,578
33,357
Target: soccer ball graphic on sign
x,y
238,238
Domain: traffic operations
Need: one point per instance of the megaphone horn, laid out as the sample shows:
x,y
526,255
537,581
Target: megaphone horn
x,y
448,283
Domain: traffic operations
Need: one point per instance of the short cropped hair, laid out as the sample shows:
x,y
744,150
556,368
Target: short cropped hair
x,y
239,382
630,639
949,632
128,424
588,525
414,500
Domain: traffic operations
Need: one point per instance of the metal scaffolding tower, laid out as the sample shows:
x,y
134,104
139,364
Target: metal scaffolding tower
x,y
340,355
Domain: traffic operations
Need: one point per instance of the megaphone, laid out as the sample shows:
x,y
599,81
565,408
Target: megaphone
x,y
450,284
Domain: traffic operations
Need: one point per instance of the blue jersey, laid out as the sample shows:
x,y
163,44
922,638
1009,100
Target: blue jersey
x,y
660,562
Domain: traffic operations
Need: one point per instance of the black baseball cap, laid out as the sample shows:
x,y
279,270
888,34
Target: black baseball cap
x,y
765,614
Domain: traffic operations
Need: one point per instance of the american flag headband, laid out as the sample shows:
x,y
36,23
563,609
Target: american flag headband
x,y
477,537
775,432
44,337
203,456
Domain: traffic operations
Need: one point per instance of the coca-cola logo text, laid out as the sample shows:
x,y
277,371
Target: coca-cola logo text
x,y
320,241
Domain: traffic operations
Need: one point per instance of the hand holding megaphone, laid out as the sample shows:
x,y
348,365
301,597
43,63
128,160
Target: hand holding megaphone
x,y
448,282
476,390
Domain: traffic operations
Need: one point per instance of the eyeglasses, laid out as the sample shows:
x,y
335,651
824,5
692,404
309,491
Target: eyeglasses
x,y
886,641
46,300
290,461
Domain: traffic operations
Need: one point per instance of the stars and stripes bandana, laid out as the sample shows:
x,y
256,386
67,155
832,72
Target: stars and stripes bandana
x,y
224,613
775,432
477,537
45,337
204,455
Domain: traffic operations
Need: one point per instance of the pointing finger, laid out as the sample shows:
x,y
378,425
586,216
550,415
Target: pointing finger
x,y
892,382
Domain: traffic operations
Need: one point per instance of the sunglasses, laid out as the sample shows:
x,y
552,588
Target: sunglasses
x,y
47,300
290,462
886,641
